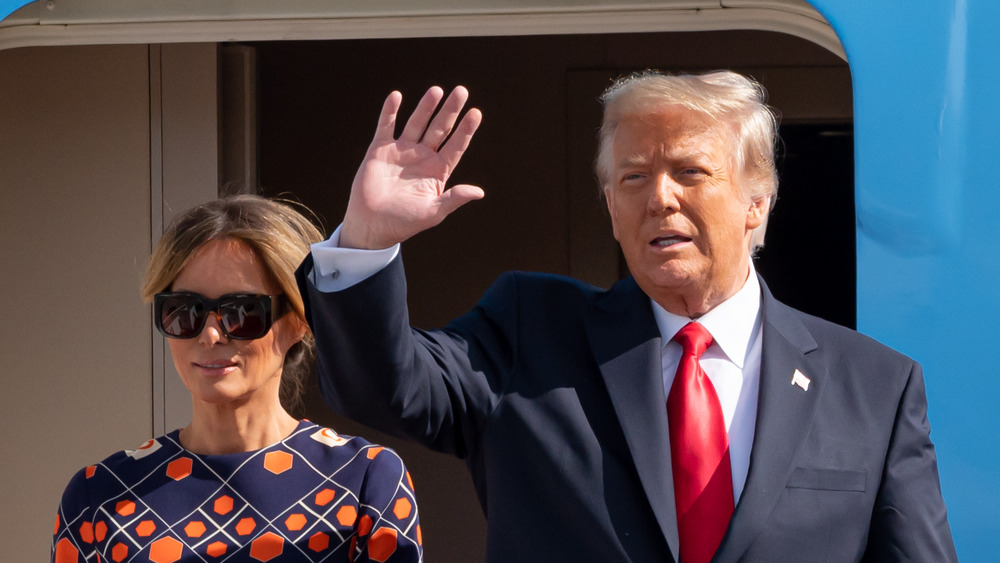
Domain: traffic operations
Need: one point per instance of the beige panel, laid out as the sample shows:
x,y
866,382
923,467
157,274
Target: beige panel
x,y
190,168
190,125
74,239
103,21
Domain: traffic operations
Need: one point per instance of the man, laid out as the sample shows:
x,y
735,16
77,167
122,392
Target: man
x,y
684,414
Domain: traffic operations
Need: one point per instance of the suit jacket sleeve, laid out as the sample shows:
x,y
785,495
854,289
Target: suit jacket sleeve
x,y
436,387
909,522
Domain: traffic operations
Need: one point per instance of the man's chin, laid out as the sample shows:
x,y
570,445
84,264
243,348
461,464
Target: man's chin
x,y
669,281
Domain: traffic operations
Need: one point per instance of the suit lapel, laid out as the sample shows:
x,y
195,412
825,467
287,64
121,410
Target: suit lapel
x,y
784,415
626,344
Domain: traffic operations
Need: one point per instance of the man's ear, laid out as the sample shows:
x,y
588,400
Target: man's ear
x,y
760,206
609,198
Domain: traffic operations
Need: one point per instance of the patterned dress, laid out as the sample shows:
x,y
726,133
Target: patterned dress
x,y
314,496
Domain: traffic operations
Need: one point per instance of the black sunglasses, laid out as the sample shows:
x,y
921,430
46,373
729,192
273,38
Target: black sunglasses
x,y
241,316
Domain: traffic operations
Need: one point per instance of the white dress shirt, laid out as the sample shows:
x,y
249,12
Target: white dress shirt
x,y
336,268
732,362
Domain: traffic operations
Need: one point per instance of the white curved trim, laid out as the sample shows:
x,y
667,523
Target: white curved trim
x,y
22,31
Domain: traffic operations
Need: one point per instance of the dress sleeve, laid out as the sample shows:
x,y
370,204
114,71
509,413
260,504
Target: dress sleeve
x,y
73,536
388,524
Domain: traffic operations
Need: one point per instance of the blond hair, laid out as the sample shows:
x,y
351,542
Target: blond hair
x,y
723,96
277,233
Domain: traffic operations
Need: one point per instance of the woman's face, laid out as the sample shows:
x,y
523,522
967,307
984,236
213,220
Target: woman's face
x,y
214,368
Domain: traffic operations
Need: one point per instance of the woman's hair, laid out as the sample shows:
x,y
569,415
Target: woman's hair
x,y
279,235
724,96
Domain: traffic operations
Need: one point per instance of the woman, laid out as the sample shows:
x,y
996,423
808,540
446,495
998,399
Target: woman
x,y
244,481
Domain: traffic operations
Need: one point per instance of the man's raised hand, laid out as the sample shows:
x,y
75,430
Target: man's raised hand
x,y
399,189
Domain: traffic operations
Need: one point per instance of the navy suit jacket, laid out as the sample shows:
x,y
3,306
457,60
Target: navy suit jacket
x,y
551,391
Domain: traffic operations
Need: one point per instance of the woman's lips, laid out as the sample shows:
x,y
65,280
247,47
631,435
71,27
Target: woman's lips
x,y
216,367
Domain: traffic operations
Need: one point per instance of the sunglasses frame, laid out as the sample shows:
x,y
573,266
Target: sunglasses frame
x,y
272,305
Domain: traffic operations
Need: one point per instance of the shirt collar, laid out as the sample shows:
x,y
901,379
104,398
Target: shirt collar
x,y
732,323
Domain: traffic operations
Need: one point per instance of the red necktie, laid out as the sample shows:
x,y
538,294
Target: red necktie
x,y
699,450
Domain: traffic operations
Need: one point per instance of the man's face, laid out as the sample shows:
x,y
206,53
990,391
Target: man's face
x,y
677,209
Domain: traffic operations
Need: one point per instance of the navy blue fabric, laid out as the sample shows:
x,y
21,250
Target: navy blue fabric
x,y
551,391
317,495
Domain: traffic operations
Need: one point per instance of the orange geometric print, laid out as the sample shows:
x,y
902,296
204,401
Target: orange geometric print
x,y
152,506
402,509
179,468
125,508
324,497
65,552
295,522
87,532
278,462
165,550
365,526
245,526
266,547
347,515
216,549
319,541
145,528
223,505
382,544
195,529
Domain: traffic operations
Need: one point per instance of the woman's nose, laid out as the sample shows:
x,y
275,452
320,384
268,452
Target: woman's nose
x,y
212,333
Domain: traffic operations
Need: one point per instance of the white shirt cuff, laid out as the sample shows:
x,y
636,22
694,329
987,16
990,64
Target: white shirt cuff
x,y
336,269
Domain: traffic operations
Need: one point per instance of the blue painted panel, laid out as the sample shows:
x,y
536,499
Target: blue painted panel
x,y
926,94
7,7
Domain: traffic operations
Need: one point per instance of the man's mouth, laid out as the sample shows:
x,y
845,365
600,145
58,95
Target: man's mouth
x,y
668,241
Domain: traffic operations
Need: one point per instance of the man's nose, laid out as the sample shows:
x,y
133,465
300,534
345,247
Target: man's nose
x,y
664,196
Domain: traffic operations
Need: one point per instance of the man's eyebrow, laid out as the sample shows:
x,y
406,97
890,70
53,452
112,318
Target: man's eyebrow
x,y
633,160
692,153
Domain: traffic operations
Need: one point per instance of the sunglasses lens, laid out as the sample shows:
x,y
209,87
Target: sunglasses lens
x,y
244,317
182,316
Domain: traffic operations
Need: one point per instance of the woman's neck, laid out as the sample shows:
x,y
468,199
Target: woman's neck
x,y
225,429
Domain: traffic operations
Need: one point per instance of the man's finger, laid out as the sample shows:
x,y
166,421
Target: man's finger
x,y
421,116
441,126
456,197
386,128
453,150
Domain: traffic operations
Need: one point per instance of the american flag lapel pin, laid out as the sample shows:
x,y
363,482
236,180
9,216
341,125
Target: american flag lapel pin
x,y
800,379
